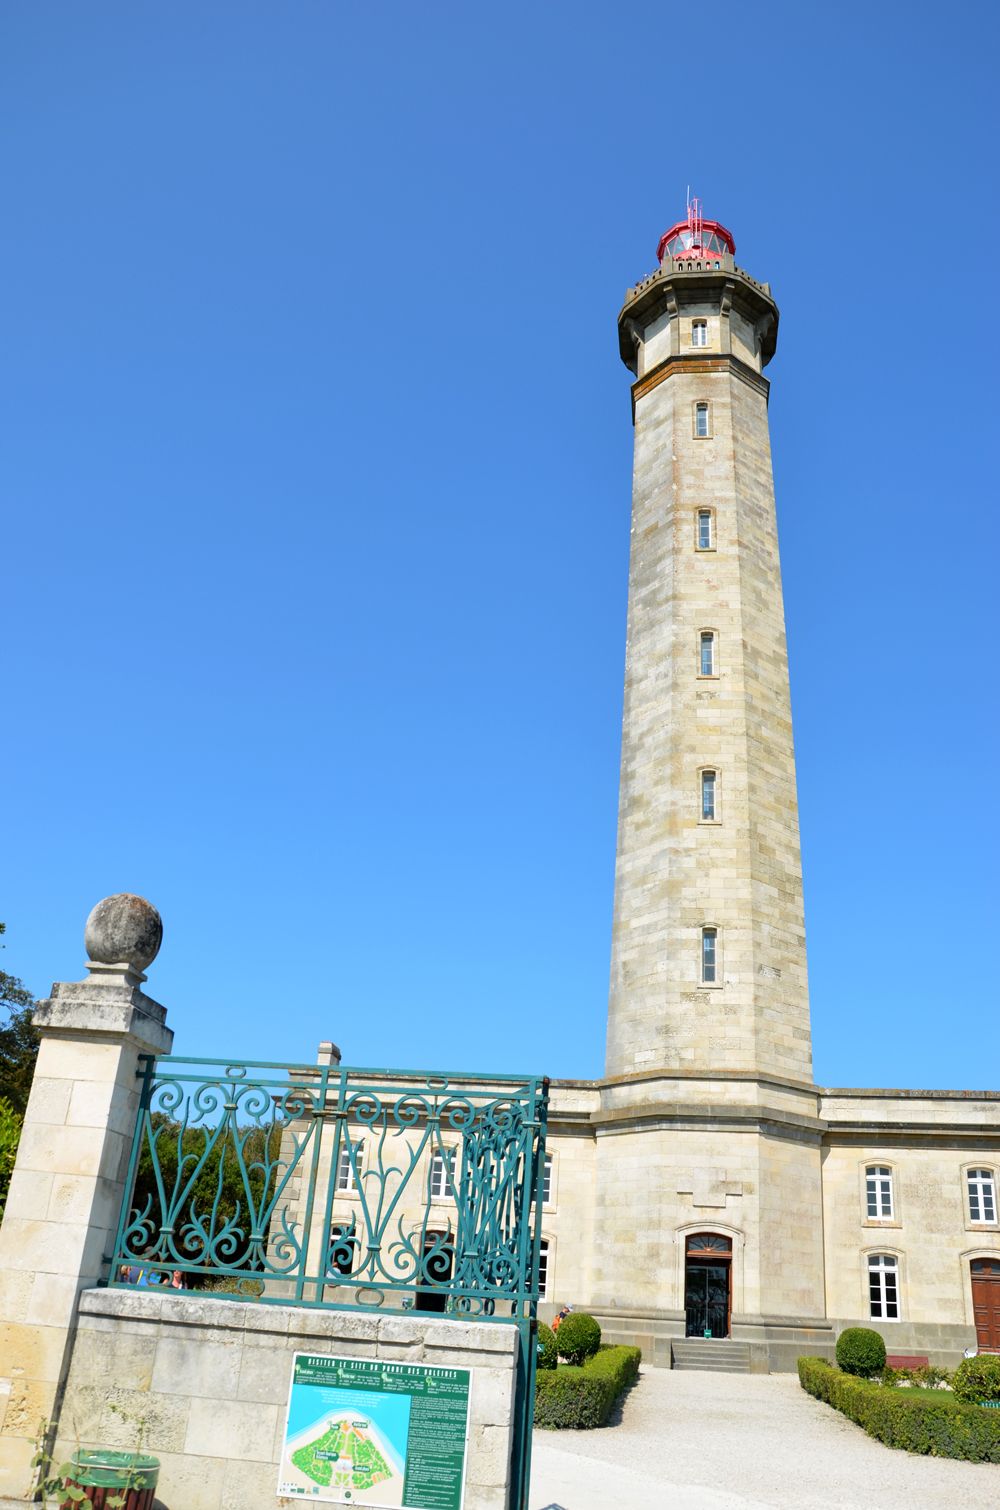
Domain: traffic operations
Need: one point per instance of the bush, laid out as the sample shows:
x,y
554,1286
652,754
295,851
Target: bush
x,y
578,1337
584,1397
977,1379
549,1355
924,1376
929,1376
934,1422
861,1351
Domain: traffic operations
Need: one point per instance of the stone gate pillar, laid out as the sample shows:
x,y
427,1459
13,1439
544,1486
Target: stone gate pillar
x,y
67,1186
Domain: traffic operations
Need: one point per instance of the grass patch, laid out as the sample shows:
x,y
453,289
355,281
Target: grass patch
x,y
921,1392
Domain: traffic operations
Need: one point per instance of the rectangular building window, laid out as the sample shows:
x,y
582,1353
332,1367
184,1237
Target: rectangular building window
x,y
883,1287
982,1196
705,541
442,1169
342,1246
345,1167
701,420
709,954
543,1269
878,1189
547,1180
707,652
699,332
708,796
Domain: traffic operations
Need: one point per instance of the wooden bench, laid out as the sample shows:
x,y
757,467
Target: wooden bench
x,y
907,1360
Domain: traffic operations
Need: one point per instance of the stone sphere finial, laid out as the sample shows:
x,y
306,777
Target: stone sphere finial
x,y
124,930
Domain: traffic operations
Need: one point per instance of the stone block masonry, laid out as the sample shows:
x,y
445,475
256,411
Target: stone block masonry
x,y
202,1383
737,872
67,1186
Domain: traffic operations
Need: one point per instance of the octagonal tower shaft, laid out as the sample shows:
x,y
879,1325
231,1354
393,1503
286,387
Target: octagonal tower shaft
x,y
708,865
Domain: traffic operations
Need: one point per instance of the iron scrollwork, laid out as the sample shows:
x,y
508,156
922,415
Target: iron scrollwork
x,y
330,1186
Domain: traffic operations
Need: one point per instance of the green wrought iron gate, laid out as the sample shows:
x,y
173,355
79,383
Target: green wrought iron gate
x,y
356,1189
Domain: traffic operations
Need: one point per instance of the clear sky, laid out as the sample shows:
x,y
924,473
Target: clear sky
x,y
317,454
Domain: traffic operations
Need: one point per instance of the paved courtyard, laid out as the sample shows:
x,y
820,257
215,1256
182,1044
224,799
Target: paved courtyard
x,y
699,1441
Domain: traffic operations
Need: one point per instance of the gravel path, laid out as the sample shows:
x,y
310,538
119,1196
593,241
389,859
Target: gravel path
x,y
700,1441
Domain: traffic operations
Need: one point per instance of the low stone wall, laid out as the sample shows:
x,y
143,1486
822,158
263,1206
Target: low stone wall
x,y
205,1382
774,1343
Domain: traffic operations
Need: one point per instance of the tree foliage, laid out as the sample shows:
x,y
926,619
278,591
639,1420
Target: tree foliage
x,y
10,1132
204,1190
18,1039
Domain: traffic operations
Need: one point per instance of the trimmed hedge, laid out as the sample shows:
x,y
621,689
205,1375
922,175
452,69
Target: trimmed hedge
x,y
861,1351
549,1355
939,1424
584,1397
578,1337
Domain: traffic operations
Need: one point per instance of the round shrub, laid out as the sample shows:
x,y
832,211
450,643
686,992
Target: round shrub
x,y
977,1379
578,1337
860,1351
549,1355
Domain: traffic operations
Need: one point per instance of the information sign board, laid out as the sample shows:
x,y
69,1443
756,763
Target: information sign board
x,y
364,1432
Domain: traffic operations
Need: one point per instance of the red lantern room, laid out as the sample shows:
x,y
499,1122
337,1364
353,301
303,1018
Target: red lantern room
x,y
695,237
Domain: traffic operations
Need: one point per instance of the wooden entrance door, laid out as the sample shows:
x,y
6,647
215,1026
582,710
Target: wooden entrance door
x,y
986,1303
707,1288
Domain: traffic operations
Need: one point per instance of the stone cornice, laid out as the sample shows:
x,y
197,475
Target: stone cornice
x,y
678,282
643,1077
691,1117
887,1133
883,1094
685,363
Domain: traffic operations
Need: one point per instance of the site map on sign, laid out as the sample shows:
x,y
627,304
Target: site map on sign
x,y
346,1451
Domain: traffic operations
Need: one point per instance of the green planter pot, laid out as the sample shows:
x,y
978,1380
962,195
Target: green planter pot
x,y
103,1475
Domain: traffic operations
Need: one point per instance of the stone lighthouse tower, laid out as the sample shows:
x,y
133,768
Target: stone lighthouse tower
x,y
707,1163
708,953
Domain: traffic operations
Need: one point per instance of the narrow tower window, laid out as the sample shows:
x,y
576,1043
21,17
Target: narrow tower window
x,y
547,1180
883,1287
878,1188
982,1196
707,652
709,955
708,796
699,332
543,1268
706,535
701,421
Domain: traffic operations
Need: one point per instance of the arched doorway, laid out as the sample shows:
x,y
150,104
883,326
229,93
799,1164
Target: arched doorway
x,y
708,1262
986,1303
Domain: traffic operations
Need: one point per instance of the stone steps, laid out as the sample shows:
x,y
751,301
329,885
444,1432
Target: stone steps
x,y
714,1354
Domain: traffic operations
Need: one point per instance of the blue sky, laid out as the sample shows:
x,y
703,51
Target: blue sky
x,y
317,481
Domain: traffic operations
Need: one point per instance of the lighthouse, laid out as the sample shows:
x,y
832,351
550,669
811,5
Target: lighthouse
x,y
708,949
